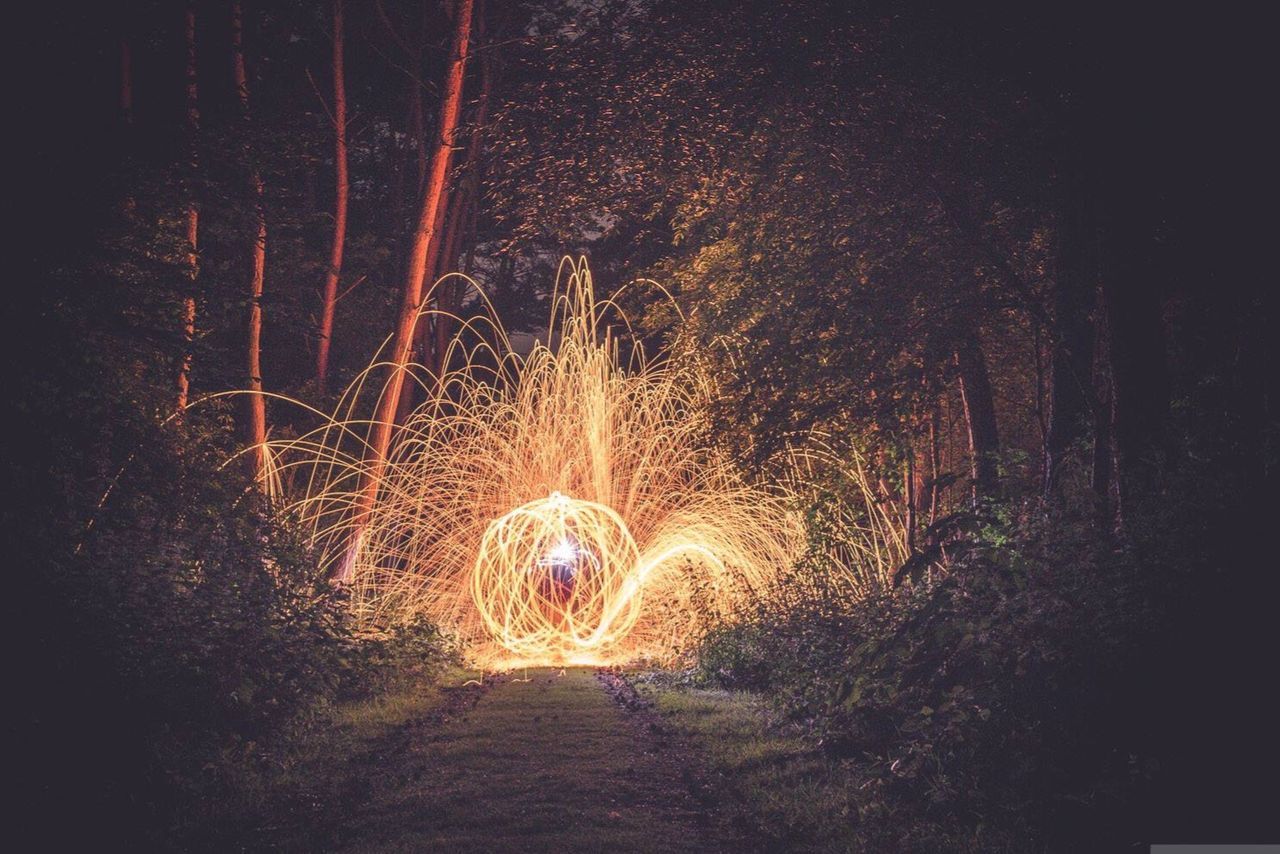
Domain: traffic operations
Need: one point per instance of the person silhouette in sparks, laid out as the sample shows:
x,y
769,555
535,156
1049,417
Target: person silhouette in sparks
x,y
561,565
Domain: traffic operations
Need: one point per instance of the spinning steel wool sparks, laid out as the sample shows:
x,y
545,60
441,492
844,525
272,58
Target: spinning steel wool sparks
x,y
562,506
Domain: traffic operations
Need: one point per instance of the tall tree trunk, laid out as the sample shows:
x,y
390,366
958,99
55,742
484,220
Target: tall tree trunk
x,y
935,465
447,295
425,349
1071,373
433,339
980,415
1139,374
909,496
423,237
417,116
334,273
183,384
468,201
1102,478
256,415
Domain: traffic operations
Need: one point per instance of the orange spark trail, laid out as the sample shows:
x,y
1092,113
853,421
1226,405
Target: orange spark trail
x,y
560,506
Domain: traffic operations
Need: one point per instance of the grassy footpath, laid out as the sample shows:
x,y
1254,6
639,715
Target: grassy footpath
x,y
547,764
541,761
779,791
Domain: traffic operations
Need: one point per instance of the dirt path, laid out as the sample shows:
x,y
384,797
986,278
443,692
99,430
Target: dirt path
x,y
549,764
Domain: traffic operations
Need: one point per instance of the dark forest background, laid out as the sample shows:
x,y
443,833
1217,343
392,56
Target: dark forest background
x,y
1015,256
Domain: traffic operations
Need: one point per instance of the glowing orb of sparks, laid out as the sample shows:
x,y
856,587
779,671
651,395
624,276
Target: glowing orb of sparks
x,y
532,500
557,575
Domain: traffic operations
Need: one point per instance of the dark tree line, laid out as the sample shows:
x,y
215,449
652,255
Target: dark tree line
x,y
1003,212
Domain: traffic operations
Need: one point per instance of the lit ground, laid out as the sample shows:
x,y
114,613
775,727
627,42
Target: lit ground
x,y
553,764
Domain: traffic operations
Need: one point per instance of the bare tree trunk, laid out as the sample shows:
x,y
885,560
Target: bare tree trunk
x,y
183,384
425,349
1139,381
468,201
417,119
334,273
909,495
1071,373
256,418
432,341
935,424
447,295
1102,478
423,237
469,258
980,414
399,163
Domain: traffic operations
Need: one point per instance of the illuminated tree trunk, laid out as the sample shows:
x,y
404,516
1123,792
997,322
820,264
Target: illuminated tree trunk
x,y
424,338
432,340
423,237
256,426
980,415
463,214
183,384
334,273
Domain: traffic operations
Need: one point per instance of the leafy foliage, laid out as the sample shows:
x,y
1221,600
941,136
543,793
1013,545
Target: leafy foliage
x,y
1016,701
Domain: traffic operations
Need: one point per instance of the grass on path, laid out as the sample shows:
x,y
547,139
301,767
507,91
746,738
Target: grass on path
x,y
784,795
548,764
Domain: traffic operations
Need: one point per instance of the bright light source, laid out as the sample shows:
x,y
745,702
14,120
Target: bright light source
x,y
564,552
651,531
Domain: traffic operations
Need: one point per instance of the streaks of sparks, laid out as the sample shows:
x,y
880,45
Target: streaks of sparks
x,y
560,506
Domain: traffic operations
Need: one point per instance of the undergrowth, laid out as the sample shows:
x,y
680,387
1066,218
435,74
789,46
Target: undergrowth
x,y
1008,704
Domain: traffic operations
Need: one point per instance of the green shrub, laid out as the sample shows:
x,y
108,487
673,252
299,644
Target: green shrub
x,y
984,709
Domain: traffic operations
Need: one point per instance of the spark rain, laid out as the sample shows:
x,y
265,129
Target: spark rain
x,y
558,507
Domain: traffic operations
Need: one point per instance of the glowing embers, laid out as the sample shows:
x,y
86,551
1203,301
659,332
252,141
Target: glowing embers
x,y
467,527
557,576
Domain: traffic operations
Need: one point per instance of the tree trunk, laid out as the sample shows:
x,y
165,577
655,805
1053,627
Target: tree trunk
x,y
909,496
935,465
334,273
468,202
1071,373
1139,375
417,120
447,295
256,416
1102,478
183,384
980,415
432,340
425,349
424,236
126,83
